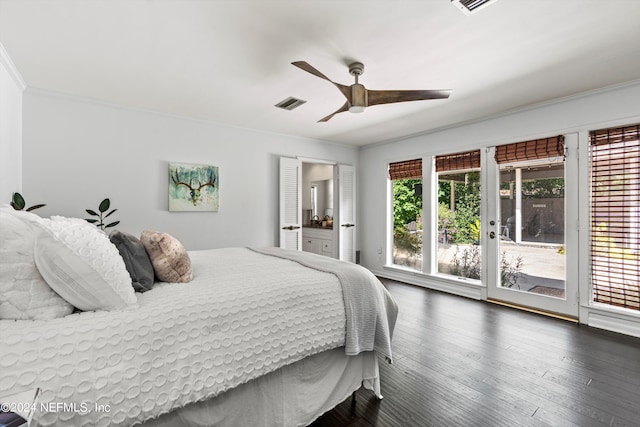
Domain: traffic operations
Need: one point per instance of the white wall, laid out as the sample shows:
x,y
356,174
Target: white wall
x,y
11,88
77,152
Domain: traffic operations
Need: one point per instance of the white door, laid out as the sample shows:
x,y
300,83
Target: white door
x,y
531,233
346,179
290,203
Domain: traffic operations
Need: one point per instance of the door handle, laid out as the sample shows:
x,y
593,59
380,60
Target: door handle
x,y
348,225
291,227
492,235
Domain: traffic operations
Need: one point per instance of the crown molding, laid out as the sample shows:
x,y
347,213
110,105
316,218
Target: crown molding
x,y
11,68
513,111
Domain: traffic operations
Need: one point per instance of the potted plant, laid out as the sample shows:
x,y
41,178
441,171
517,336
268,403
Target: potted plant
x,y
18,203
102,215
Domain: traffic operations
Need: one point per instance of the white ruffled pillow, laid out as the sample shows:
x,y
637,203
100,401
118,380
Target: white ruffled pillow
x,y
23,292
80,263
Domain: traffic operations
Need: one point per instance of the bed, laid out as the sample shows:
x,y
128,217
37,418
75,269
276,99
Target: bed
x,y
259,336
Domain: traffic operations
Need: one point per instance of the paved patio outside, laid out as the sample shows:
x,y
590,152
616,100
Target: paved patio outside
x,y
543,266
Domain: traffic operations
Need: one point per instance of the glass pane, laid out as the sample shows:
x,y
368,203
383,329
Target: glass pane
x,y
532,215
407,223
314,200
459,224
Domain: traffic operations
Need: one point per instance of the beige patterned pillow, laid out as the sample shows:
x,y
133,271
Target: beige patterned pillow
x,y
169,257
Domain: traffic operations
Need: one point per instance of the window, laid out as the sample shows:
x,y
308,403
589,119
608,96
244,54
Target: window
x,y
406,178
314,200
458,225
615,216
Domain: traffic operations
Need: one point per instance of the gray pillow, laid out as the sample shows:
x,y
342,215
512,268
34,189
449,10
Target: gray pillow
x,y
135,259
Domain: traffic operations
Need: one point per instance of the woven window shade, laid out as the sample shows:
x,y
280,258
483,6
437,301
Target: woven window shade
x,y
615,216
531,150
408,169
458,161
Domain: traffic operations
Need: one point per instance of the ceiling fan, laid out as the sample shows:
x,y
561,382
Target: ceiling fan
x,y
359,97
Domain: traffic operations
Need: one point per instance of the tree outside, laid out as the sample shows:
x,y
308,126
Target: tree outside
x,y
407,223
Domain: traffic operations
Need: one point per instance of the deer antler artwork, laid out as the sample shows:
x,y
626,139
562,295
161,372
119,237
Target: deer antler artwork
x,y
200,183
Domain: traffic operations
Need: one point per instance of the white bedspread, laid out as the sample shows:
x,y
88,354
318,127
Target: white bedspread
x,y
371,311
243,315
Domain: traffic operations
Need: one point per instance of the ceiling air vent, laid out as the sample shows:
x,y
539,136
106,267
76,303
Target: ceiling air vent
x,y
290,103
471,6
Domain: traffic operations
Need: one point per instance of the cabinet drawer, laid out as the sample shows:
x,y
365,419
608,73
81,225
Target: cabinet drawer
x,y
312,245
327,246
317,233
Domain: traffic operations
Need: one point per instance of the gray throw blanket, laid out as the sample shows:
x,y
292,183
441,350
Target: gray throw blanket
x,y
371,311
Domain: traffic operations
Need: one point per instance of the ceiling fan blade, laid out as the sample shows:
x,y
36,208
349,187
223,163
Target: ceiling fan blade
x,y
342,109
377,97
309,69
346,91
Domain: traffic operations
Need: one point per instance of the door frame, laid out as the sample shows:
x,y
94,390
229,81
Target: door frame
x,y
569,306
339,234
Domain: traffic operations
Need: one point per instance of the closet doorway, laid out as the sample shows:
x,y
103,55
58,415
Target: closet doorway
x,y
318,200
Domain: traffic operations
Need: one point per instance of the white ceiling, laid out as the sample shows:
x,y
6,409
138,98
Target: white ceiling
x,y
229,61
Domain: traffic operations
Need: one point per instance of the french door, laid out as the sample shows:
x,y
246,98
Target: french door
x,y
531,223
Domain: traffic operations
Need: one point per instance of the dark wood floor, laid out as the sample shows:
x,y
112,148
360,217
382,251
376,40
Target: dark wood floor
x,y
460,362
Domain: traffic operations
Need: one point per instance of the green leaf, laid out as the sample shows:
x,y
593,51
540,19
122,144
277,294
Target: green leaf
x,y
113,224
91,212
110,213
91,221
18,201
104,205
34,207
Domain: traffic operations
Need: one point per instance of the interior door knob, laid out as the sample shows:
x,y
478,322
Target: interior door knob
x,y
492,235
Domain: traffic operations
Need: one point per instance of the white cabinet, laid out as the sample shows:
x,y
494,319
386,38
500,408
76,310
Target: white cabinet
x,y
318,241
311,245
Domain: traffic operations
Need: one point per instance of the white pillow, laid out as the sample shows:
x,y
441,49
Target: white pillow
x,y
80,263
23,292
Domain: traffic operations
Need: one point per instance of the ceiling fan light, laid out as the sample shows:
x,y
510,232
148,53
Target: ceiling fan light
x,y
358,98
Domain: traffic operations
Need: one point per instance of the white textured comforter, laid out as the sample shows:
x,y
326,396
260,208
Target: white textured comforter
x,y
371,311
243,315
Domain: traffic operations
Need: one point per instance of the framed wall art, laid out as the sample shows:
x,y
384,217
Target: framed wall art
x,y
193,187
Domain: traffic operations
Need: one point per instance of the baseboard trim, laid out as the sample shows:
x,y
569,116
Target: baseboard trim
x,y
533,310
454,287
615,322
